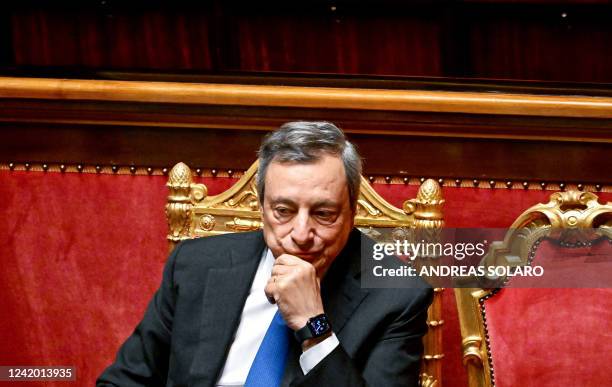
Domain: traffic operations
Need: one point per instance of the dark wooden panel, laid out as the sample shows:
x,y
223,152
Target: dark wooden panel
x,y
372,122
160,147
235,149
400,132
488,159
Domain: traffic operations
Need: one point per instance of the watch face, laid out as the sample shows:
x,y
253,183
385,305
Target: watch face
x,y
318,325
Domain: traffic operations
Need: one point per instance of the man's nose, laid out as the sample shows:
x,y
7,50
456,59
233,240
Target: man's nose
x,y
302,232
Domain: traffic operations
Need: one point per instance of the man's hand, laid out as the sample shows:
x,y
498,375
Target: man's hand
x,y
295,288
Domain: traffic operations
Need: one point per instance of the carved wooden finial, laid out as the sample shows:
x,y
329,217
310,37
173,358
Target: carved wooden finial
x,y
429,191
180,176
180,202
427,207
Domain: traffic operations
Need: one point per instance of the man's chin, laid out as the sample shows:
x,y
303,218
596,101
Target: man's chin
x,y
308,257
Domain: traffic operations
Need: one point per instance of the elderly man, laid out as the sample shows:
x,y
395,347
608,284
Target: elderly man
x,y
282,306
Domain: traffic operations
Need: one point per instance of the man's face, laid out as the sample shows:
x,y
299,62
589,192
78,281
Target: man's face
x,y
306,210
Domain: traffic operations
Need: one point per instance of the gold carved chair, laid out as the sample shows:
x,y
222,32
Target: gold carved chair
x,y
543,336
192,213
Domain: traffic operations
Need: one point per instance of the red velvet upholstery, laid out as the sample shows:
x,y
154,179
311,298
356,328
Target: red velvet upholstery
x,y
551,337
81,254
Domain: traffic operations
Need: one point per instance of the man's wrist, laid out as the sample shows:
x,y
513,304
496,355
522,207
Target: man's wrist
x,y
309,343
316,327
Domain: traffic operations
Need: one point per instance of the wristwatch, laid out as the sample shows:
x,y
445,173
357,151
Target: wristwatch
x,y
316,326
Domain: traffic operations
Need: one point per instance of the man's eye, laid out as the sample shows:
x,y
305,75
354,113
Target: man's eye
x,y
282,211
325,215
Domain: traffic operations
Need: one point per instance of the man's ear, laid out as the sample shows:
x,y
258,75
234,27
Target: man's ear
x,y
353,214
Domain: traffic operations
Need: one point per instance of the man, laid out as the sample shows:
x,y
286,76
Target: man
x,y
232,309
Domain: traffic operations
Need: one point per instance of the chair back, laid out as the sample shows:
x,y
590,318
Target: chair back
x,y
192,213
542,336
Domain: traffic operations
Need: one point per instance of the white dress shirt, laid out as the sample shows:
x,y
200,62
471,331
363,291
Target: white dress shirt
x,y
254,321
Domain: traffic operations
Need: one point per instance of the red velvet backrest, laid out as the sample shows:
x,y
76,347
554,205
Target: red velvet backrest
x,y
552,337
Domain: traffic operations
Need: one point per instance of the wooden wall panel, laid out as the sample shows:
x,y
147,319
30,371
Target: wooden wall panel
x,y
385,155
407,133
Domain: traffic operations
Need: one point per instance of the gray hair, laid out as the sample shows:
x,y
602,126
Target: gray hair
x,y
305,142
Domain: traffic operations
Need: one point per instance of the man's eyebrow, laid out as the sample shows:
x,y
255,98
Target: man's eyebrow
x,y
282,200
326,203
318,204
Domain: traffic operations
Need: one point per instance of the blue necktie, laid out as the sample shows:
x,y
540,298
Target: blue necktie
x,y
269,364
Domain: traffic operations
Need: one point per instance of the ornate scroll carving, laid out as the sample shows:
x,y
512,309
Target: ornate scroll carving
x,y
192,213
368,209
243,225
428,381
569,218
472,350
246,199
207,222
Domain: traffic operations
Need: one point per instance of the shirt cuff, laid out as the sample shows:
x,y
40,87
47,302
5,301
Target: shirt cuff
x,y
318,352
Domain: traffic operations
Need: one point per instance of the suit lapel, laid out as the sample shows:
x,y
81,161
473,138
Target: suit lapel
x,y
340,289
341,293
224,296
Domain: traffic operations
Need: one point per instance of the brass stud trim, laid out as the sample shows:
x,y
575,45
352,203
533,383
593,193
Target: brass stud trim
x,y
373,179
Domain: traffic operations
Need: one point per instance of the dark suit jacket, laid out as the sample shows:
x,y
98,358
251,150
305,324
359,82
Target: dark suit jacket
x,y
189,325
